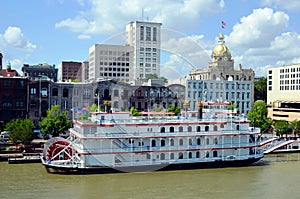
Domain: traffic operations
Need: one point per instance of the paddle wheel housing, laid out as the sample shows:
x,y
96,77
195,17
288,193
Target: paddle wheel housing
x,y
58,149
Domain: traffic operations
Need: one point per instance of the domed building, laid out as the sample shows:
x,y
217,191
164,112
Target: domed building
x,y
221,66
221,82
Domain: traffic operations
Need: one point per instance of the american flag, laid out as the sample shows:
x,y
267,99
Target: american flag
x,y
223,24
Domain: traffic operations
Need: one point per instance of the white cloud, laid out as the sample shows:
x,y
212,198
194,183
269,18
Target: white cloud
x,y
14,37
258,29
184,54
291,5
84,36
101,20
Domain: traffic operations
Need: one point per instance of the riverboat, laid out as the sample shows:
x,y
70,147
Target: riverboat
x,y
213,136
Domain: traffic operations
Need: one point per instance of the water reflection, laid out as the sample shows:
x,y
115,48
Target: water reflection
x,y
275,176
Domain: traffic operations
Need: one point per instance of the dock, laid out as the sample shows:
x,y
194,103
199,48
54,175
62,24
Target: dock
x,y
25,158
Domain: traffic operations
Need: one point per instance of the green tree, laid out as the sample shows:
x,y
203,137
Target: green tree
x,y
282,127
134,112
173,109
259,115
260,89
20,130
55,122
295,125
154,76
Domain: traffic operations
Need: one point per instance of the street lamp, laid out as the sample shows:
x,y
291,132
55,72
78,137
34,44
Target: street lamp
x,y
98,99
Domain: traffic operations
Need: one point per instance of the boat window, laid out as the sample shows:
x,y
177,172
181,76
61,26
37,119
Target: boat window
x,y
162,156
216,140
215,154
180,142
172,156
162,129
206,128
207,154
198,128
162,143
189,129
180,155
172,142
180,129
172,129
148,156
198,141
190,155
238,127
198,154
153,143
215,128
207,141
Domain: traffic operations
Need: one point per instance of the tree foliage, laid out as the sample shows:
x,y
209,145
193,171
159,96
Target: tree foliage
x,y
154,76
259,115
260,89
20,130
282,127
172,108
134,112
93,108
55,122
295,126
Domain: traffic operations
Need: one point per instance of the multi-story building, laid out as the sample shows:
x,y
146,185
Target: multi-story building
x,y
70,70
110,62
13,95
283,92
40,70
236,92
145,38
85,70
221,82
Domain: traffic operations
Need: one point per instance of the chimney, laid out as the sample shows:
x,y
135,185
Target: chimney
x,y
1,56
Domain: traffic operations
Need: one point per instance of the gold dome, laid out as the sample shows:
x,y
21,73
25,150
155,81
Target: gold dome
x,y
221,48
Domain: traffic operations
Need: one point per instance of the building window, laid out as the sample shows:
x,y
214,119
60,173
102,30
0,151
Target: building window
x,y
148,33
154,33
33,91
142,33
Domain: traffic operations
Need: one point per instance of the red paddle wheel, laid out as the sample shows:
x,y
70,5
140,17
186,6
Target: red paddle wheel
x,y
58,149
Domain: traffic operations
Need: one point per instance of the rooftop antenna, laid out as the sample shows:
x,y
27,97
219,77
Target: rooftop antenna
x,y
142,14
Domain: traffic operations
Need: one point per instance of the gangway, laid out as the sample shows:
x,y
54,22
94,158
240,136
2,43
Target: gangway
x,y
266,142
277,146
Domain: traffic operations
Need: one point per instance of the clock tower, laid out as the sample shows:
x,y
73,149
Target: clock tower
x,y
221,57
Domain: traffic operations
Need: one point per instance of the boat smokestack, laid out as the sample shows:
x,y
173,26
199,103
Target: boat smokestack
x,y
200,110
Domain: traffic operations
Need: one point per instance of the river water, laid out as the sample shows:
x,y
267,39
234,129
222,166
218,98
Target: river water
x,y
275,176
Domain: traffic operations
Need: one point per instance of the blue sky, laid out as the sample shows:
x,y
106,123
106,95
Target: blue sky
x,y
259,33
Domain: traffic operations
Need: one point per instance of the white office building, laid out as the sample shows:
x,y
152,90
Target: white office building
x,y
283,93
145,39
110,62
